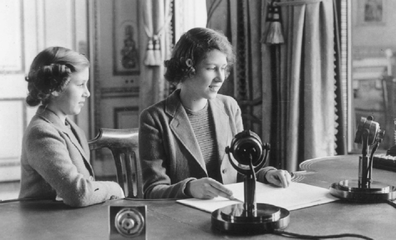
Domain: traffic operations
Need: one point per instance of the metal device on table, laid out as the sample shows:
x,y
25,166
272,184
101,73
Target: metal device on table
x,y
249,217
387,161
127,222
365,189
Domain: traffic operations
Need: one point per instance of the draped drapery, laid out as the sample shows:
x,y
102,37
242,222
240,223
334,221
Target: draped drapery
x,y
163,22
295,105
242,22
341,82
188,14
156,32
307,71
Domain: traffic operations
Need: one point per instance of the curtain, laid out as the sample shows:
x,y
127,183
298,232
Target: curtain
x,y
188,14
341,83
157,36
289,89
242,22
164,21
307,71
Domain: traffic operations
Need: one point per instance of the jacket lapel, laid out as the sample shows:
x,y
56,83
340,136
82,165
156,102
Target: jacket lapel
x,y
51,117
222,125
181,127
76,139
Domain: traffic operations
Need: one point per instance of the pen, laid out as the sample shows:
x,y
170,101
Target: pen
x,y
234,199
229,197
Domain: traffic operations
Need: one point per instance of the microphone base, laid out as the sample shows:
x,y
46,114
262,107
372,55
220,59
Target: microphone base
x,y
235,219
351,190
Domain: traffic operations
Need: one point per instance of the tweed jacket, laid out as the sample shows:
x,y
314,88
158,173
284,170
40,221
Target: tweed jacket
x,y
55,163
170,153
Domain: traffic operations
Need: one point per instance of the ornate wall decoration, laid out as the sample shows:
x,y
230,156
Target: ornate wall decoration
x,y
125,33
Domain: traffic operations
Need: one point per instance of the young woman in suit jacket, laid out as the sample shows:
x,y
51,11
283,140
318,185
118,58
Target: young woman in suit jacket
x,y
182,139
55,161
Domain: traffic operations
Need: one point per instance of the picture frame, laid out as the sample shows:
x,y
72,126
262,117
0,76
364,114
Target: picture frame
x,y
372,12
126,117
126,59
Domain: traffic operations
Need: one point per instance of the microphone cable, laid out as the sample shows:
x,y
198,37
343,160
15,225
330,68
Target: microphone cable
x,y
304,236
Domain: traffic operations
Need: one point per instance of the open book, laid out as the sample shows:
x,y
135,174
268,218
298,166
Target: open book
x,y
297,195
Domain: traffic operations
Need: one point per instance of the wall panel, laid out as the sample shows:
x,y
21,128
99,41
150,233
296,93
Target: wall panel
x,y
29,27
116,74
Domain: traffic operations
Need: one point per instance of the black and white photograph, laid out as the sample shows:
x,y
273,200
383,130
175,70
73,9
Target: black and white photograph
x,y
197,119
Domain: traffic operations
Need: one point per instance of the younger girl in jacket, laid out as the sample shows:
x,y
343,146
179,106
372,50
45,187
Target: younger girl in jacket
x,y
55,161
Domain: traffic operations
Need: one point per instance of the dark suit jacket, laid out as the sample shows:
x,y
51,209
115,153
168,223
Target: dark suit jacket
x,y
169,151
55,162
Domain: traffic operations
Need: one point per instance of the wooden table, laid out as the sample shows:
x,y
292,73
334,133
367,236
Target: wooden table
x,y
167,219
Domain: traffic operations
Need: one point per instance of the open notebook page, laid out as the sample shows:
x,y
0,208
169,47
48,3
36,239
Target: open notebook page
x,y
297,195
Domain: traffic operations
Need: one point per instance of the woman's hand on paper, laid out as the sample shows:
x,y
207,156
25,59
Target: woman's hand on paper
x,y
280,178
207,188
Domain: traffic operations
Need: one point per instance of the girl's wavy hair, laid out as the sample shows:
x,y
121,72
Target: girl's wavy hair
x,y
50,71
194,45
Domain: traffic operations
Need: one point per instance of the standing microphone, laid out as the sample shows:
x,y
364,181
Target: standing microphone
x,y
247,154
364,189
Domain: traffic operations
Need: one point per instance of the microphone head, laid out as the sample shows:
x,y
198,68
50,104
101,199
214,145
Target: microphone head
x,y
369,127
247,146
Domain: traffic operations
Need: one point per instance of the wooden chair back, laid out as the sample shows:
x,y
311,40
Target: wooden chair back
x,y
124,145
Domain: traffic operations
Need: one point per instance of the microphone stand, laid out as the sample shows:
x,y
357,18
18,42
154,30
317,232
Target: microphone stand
x,y
250,191
364,189
250,217
365,167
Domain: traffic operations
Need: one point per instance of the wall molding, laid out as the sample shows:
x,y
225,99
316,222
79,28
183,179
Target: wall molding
x,y
119,92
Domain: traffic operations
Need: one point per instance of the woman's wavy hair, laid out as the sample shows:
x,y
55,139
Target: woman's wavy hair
x,y
50,71
194,45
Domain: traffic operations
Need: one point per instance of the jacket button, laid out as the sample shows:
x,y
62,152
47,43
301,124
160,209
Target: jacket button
x,y
224,171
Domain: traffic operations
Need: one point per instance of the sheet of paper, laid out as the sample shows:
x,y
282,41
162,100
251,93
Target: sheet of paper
x,y
296,196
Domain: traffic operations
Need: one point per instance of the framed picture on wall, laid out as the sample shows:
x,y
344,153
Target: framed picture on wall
x,y
126,117
372,12
125,38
